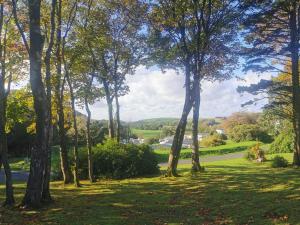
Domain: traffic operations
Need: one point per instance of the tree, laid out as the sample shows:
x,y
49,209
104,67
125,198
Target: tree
x,y
35,191
5,82
273,35
194,36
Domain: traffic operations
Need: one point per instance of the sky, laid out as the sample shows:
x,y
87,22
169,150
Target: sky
x,y
154,94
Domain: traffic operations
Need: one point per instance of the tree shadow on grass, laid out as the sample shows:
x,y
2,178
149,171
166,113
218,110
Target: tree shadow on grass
x,y
221,195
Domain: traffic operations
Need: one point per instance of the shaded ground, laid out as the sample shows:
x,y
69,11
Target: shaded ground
x,y
228,192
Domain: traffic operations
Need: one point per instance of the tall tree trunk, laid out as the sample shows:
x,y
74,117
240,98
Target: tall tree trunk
x,y
46,196
75,152
33,195
294,46
65,167
180,130
3,148
196,107
89,142
3,103
109,101
118,128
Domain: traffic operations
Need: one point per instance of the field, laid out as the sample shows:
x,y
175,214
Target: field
x,y
230,147
147,133
228,192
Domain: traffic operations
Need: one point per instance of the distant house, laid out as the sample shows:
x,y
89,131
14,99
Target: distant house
x,y
136,141
186,143
220,131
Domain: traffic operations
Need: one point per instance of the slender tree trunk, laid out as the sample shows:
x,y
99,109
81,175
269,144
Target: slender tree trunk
x,y
89,142
118,128
65,167
109,101
46,196
3,153
196,107
33,195
3,104
180,130
75,152
294,46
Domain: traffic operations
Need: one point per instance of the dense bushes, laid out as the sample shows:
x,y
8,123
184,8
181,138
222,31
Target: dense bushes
x,y
279,161
213,140
283,143
249,132
114,160
255,153
151,141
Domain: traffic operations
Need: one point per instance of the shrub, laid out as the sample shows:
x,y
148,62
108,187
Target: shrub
x,y
255,153
249,132
212,141
115,160
151,141
283,143
249,156
279,161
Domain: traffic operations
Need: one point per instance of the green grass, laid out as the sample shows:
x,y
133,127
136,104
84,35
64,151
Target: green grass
x,y
147,133
230,147
228,192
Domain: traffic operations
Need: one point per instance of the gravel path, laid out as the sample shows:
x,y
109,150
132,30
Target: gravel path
x,y
213,158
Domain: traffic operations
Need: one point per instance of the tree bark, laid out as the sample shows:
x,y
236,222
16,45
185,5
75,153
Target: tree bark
x,y
65,167
294,47
118,128
109,101
196,107
46,196
33,195
75,152
180,130
89,142
3,103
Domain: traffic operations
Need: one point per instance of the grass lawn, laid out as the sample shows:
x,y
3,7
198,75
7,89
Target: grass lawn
x,y
147,133
228,192
230,147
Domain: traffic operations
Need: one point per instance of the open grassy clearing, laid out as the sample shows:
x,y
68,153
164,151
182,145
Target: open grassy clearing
x,y
230,147
147,133
228,192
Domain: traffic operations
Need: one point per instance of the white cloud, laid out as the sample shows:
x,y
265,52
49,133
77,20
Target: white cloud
x,y
156,94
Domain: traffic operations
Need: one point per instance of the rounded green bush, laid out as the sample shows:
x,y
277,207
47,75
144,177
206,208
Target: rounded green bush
x,y
283,143
279,161
116,160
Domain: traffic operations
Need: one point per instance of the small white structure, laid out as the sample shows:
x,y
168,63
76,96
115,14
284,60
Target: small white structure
x,y
220,131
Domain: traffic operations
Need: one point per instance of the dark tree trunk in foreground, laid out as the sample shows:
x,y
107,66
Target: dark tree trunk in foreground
x,y
3,103
196,107
46,197
109,101
75,152
33,195
294,46
89,142
180,130
65,167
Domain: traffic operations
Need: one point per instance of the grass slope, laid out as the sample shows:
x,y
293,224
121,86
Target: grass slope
x,y
147,133
228,192
230,147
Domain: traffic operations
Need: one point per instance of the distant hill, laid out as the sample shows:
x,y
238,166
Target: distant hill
x,y
153,124
158,123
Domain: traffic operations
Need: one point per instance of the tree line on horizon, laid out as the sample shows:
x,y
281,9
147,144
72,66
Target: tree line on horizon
x,y
80,51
